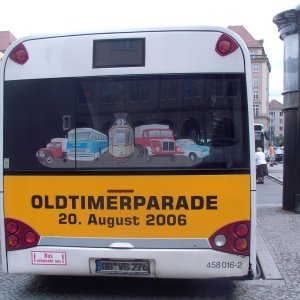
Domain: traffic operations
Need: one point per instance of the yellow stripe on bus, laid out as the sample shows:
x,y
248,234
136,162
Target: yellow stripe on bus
x,y
184,206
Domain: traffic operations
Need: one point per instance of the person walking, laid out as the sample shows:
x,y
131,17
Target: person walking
x,y
272,155
261,166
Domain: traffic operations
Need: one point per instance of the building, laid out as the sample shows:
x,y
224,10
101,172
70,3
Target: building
x,y
260,69
276,124
6,38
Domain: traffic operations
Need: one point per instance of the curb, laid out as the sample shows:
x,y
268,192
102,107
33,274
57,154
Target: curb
x,y
265,260
276,179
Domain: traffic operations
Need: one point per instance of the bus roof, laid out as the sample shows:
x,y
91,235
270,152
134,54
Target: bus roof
x,y
71,55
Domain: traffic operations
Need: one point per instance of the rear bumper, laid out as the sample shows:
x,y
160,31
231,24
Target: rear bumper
x,y
167,263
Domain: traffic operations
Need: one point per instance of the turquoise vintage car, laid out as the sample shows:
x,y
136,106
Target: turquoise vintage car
x,y
192,150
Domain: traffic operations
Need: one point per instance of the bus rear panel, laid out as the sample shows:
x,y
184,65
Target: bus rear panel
x,y
157,176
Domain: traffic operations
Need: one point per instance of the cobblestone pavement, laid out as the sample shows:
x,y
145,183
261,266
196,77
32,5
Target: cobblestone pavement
x,y
281,233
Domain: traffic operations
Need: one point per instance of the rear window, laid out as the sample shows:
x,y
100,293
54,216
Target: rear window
x,y
135,123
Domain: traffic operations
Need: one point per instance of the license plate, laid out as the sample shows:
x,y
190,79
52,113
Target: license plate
x,y
123,267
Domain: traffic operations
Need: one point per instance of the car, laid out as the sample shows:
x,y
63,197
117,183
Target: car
x,y
279,154
192,150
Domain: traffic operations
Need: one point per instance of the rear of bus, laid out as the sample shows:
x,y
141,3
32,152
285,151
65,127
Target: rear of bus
x,y
167,218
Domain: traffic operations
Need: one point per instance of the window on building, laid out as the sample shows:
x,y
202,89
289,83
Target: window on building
x,y
256,110
255,81
272,114
255,95
281,114
281,128
255,67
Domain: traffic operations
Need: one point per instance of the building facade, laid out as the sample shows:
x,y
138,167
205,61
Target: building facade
x,y
260,69
276,124
6,38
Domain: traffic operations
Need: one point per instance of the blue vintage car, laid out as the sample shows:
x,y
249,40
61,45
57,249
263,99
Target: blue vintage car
x,y
192,150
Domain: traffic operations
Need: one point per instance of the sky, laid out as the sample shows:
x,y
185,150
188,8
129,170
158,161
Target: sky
x,y
35,17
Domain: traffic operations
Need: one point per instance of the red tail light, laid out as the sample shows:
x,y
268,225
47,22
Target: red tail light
x,y
225,45
19,235
232,238
11,227
241,230
241,245
19,54
12,241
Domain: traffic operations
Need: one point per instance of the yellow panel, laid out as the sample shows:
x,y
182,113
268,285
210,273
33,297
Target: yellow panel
x,y
127,206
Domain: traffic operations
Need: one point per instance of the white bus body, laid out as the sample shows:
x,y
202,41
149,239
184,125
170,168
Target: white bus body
x,y
149,219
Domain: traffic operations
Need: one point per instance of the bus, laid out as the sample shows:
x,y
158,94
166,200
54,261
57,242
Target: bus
x,y
261,136
159,218
86,144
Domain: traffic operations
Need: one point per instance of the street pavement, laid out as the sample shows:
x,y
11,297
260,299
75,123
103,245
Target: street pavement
x,y
278,240
276,172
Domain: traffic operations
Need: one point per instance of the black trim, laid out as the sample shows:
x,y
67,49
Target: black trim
x,y
139,61
110,172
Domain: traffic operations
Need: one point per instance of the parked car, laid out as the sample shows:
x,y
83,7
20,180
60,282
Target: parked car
x,y
279,154
192,150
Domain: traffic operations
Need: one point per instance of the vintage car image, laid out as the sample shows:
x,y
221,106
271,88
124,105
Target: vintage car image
x,y
155,140
86,144
192,150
